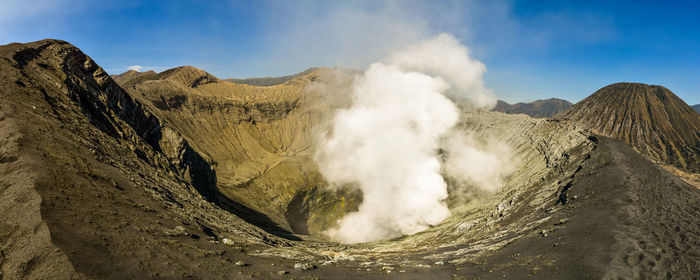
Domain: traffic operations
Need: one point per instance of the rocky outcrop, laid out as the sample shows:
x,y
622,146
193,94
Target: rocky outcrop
x,y
650,118
188,163
93,89
536,109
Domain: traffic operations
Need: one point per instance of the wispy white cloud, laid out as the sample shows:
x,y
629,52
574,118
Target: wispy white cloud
x,y
135,68
352,34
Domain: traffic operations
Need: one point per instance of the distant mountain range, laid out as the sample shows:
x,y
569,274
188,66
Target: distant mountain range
x,y
271,81
536,109
696,107
650,118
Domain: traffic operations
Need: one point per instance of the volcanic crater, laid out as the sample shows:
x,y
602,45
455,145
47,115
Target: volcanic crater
x,y
181,174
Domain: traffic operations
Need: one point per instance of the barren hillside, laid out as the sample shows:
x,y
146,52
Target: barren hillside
x,y
650,118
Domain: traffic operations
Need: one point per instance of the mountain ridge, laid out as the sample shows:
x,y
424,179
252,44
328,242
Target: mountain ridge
x,y
545,108
271,81
187,76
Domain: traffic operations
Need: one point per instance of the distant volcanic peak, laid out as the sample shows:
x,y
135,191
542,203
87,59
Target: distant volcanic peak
x,y
136,73
640,90
188,76
648,117
127,75
133,77
553,101
638,94
631,85
538,109
184,69
501,106
272,81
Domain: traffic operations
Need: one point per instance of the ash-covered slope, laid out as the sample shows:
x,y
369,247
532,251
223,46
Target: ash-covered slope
x,y
94,186
650,118
536,109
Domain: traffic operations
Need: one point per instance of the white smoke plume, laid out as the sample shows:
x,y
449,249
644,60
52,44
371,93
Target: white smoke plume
x,y
445,58
471,163
387,141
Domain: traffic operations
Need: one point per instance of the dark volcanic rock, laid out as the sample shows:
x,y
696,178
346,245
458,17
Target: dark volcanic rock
x,y
650,118
536,109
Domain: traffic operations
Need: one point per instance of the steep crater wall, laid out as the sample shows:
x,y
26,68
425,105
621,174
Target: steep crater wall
x,y
260,141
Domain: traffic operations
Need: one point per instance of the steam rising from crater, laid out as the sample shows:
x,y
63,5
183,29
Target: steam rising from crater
x,y
387,141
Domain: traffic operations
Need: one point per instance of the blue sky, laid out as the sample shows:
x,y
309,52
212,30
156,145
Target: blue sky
x,y
533,49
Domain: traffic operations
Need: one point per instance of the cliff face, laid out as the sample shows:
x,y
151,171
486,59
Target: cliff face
x,y
536,109
85,168
650,118
259,139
